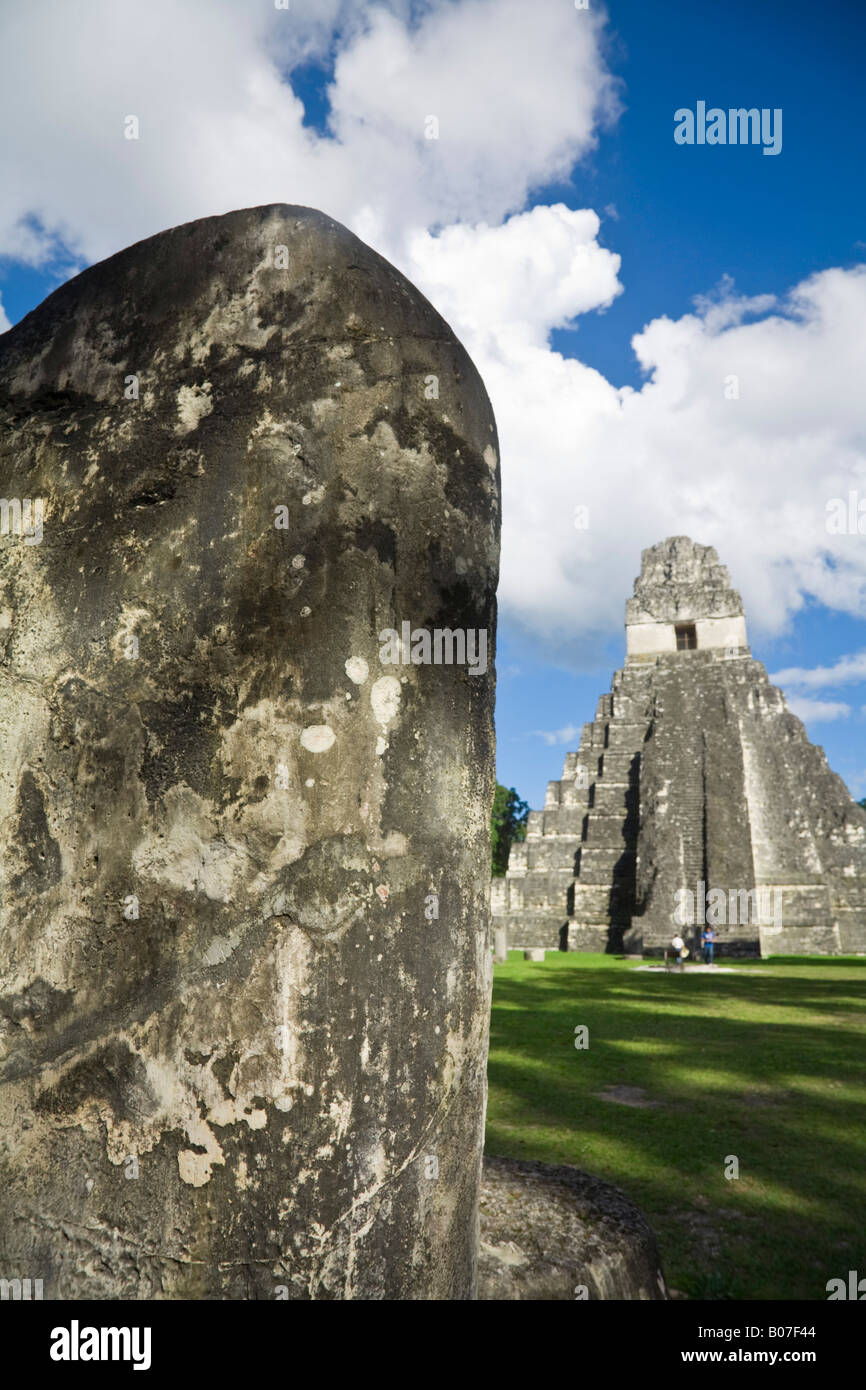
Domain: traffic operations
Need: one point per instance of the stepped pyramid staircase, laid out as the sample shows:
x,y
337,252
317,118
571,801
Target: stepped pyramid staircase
x,y
693,778
572,881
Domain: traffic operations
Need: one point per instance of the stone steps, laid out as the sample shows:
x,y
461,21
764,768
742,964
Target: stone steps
x,y
611,830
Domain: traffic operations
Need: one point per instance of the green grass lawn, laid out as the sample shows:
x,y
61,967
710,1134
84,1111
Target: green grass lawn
x,y
767,1063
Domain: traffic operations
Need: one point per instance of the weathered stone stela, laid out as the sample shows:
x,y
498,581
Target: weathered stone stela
x,y
695,798
244,935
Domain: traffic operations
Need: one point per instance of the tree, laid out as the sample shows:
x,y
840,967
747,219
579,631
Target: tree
x,y
507,824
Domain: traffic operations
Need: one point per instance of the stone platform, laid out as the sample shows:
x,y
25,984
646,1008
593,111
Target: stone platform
x,y
555,1233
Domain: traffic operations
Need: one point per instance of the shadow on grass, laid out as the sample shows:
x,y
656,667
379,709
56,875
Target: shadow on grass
x,y
731,1077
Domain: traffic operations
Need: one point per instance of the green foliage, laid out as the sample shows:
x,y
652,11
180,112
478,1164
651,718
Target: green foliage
x,y
507,824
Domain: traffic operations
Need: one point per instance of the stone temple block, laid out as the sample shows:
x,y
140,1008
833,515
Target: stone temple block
x,y
244,958
695,798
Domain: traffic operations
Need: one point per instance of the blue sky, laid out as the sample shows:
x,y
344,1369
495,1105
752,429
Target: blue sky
x,y
684,220
548,116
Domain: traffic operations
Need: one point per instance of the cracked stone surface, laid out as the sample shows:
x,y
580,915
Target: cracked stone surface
x,y
240,1057
553,1232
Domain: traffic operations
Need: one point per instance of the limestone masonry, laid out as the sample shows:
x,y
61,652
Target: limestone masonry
x,y
241,1056
695,798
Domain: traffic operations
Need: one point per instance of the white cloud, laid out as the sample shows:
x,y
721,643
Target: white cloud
x,y
842,672
519,93
751,475
569,734
517,97
507,287
817,711
4,322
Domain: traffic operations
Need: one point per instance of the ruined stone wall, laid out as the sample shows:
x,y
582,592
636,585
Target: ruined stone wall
x,y
245,973
682,582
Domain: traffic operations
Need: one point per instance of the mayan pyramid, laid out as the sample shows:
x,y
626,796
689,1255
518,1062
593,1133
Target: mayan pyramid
x,y
695,796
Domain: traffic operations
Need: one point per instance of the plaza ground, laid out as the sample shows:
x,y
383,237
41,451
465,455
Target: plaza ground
x,y
765,1063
